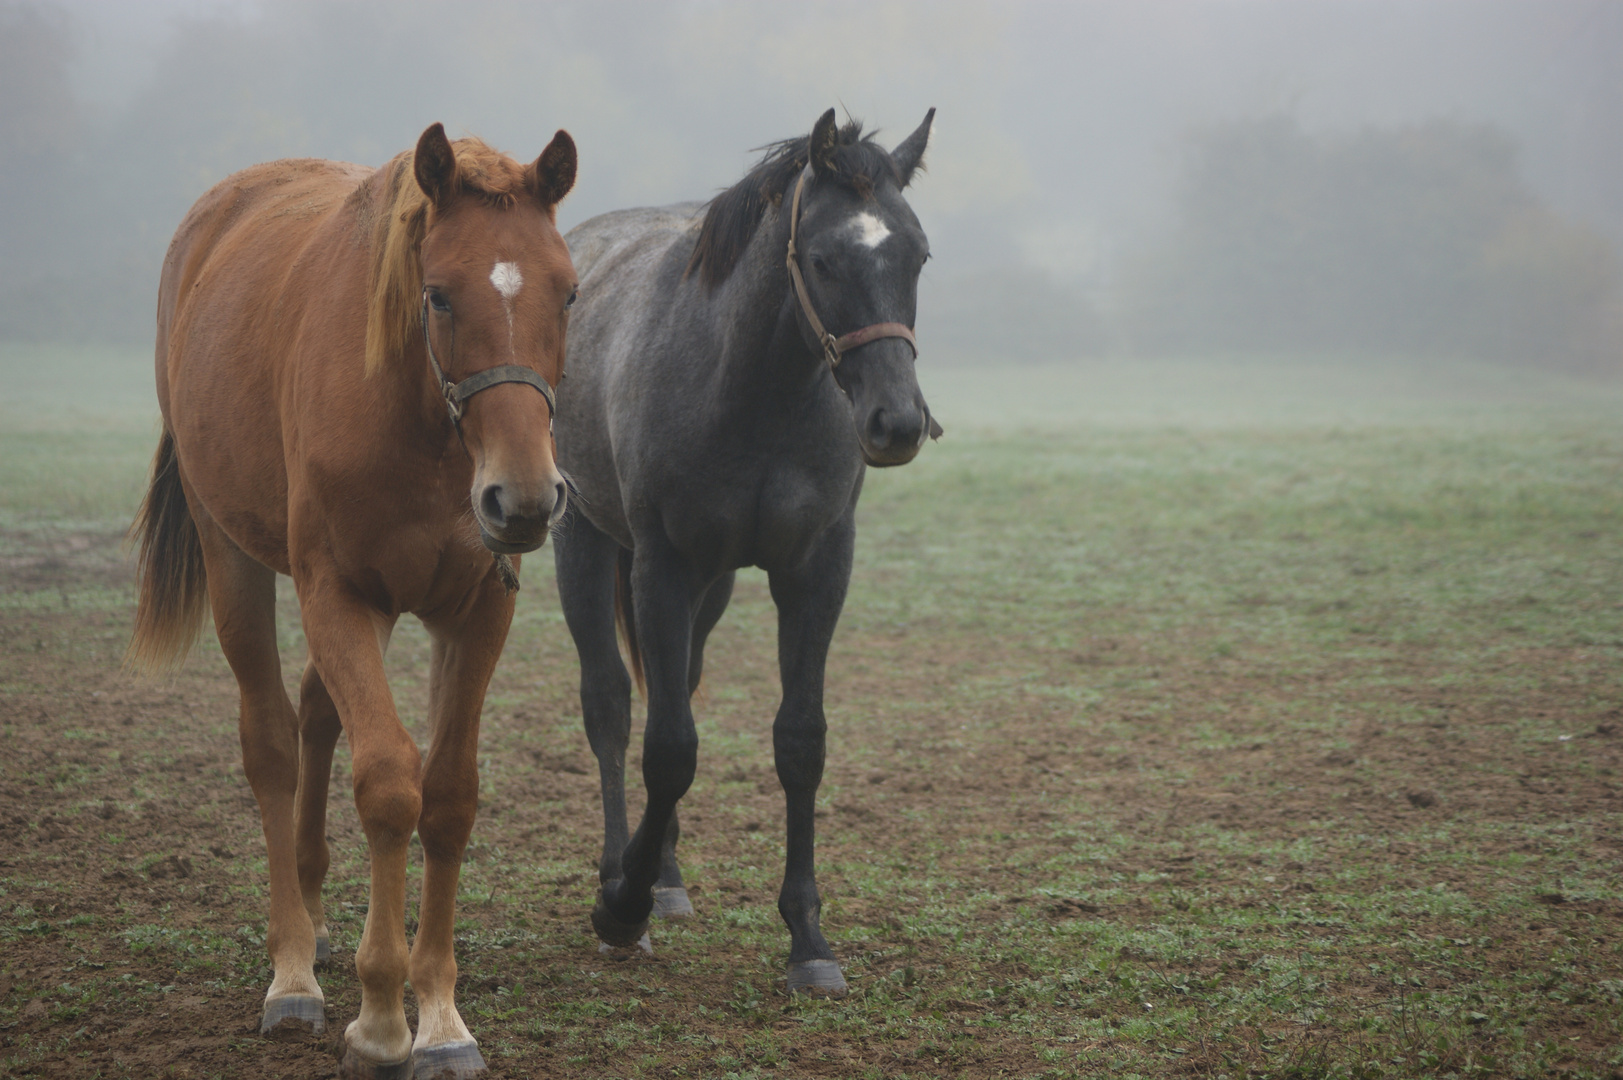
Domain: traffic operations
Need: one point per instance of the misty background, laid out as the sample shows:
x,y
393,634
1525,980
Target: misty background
x,y
1425,178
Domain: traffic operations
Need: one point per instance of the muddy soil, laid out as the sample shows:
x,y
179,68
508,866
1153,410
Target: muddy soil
x,y
122,803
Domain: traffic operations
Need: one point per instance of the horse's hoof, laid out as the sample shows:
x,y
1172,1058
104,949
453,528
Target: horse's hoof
x,y
355,1067
817,978
671,902
294,1009
643,944
450,1061
612,931
323,949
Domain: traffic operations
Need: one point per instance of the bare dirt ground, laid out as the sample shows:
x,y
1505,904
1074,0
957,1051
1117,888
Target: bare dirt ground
x,y
1013,890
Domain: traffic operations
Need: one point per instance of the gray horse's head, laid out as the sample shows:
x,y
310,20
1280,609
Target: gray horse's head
x,y
860,250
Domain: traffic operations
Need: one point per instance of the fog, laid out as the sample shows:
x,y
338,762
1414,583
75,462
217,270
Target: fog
x,y
1179,177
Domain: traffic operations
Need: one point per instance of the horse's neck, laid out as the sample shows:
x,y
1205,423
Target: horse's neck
x,y
763,350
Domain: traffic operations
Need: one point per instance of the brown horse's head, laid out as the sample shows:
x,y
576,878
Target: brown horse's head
x,y
478,263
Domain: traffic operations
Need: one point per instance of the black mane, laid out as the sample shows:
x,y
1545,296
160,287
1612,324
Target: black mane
x,y
731,217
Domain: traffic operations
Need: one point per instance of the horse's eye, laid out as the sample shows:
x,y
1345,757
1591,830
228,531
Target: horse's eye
x,y
574,294
821,267
438,300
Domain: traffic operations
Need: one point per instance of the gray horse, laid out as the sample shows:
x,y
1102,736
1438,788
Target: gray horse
x,y
731,368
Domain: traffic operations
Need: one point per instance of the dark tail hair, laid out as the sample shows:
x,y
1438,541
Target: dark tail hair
x,y
169,564
625,617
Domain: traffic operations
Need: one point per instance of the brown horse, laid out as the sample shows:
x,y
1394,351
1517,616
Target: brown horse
x,y
312,317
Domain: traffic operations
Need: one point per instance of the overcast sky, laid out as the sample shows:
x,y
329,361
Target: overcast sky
x,y
1058,136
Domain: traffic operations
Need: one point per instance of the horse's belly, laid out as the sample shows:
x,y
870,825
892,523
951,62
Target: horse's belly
x,y
231,455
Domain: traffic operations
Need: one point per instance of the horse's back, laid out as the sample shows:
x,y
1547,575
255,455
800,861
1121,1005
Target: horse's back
x,y
601,245
230,258
248,217
246,267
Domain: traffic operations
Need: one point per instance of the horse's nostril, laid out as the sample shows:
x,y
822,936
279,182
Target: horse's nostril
x,y
878,433
490,504
559,494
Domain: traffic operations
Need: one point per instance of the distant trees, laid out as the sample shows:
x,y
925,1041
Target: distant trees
x,y
1421,239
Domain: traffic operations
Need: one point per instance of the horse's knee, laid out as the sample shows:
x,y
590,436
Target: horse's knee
x,y
798,751
606,692
669,763
389,789
313,859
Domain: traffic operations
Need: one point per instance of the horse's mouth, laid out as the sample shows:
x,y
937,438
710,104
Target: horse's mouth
x,y
502,547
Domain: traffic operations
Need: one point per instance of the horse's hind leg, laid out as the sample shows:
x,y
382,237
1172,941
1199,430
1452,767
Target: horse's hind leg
x,y
809,601
319,729
666,594
242,593
670,893
585,558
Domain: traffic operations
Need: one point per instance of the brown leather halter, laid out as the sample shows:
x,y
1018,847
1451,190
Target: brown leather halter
x,y
456,393
835,347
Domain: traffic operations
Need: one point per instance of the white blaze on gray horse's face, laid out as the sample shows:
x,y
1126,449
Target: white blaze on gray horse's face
x,y
869,230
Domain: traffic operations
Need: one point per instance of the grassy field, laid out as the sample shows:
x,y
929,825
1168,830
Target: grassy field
x,y
1245,719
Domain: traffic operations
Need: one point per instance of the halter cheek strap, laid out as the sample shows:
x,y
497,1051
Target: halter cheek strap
x,y
457,393
834,348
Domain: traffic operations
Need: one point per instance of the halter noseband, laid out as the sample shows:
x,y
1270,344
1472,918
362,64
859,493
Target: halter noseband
x,y
834,348
456,393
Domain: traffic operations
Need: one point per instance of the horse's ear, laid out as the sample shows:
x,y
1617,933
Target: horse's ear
x,y
909,153
434,164
824,138
554,170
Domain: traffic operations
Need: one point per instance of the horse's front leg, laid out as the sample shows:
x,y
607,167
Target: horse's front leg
x,y
345,636
464,657
665,591
809,600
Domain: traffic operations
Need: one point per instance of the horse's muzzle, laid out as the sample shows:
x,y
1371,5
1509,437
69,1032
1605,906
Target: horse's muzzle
x,y
511,523
893,437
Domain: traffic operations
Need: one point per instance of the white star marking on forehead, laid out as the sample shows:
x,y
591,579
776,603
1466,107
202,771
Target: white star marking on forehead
x,y
507,279
871,232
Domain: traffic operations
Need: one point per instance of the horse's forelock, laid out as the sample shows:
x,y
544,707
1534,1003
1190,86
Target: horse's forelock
x,y
400,219
732,217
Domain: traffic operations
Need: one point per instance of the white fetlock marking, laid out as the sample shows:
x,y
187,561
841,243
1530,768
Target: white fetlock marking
x,y
438,1023
291,981
381,1039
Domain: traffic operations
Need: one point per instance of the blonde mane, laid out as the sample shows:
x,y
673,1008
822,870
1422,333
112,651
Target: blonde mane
x,y
400,221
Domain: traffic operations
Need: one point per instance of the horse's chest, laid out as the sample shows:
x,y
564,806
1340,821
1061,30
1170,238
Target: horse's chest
x,y
771,519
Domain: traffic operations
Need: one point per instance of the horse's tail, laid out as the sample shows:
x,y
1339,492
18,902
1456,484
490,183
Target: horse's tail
x,y
169,564
625,616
